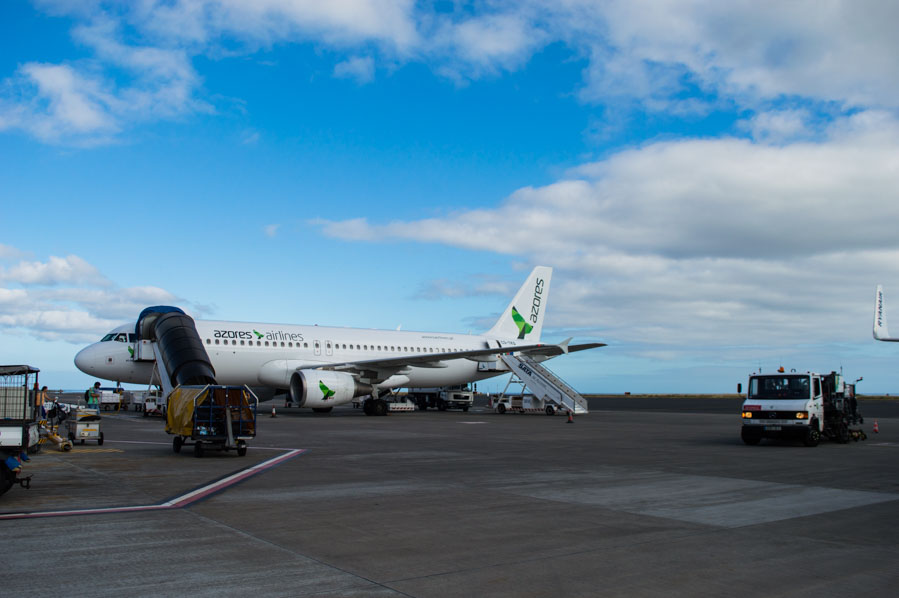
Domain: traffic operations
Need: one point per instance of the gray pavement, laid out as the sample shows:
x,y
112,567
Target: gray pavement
x,y
621,502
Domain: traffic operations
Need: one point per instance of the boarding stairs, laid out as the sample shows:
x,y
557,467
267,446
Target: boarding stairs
x,y
545,385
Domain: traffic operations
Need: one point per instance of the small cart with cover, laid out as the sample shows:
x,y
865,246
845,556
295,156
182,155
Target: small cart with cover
x,y
211,417
84,424
18,423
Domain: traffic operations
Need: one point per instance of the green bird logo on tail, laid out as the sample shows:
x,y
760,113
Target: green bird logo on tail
x,y
327,393
523,326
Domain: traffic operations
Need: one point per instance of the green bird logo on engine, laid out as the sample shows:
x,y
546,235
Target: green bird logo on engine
x,y
523,326
327,393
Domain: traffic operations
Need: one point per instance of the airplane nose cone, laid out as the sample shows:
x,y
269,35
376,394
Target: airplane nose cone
x,y
83,360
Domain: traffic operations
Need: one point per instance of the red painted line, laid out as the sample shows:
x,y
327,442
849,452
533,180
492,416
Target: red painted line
x,y
176,503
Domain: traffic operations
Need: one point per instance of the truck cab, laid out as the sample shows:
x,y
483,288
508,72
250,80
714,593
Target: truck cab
x,y
801,406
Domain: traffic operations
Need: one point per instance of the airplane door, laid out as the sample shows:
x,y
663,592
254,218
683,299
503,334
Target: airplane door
x,y
317,347
329,350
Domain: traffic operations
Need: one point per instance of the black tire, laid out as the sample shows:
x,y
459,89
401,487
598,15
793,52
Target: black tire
x,y
366,406
241,448
500,408
100,440
812,437
441,405
177,443
465,408
322,409
7,478
198,450
82,441
549,410
380,407
749,437
71,436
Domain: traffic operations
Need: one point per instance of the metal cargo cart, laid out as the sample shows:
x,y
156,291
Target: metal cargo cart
x,y
18,423
211,417
84,424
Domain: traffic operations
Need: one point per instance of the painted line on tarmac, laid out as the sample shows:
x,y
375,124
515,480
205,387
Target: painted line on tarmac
x,y
178,502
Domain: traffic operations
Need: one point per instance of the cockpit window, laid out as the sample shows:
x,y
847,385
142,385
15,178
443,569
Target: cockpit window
x,y
108,337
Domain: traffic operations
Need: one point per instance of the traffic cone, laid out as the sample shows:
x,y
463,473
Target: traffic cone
x,y
273,412
876,428
570,418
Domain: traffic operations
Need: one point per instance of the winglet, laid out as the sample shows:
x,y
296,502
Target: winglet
x,y
881,331
564,345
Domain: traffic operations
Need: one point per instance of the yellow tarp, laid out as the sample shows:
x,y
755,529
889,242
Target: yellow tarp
x,y
180,411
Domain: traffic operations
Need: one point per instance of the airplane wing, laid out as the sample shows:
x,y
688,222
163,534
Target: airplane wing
x,y
381,369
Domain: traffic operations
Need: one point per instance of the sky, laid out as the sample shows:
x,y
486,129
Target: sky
x,y
716,185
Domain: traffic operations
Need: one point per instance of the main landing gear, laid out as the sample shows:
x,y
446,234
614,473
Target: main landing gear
x,y
375,406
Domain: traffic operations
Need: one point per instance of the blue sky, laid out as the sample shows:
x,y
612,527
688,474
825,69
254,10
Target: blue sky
x,y
715,185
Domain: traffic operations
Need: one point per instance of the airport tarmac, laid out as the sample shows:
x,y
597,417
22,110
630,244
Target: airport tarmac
x,y
624,501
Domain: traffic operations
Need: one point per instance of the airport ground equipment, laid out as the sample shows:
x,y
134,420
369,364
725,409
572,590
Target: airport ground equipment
x,y
110,399
19,428
211,417
549,393
84,424
449,397
56,414
805,407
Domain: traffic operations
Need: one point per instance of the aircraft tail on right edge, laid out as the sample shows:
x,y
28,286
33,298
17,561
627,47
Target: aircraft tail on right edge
x,y
881,332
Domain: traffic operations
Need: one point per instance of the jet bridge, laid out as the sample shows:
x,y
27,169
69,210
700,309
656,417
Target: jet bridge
x,y
551,392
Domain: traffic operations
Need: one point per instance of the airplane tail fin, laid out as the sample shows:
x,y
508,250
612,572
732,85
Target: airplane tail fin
x,y
523,318
881,331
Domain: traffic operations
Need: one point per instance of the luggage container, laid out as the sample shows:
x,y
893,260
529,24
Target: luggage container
x,y
18,423
84,424
211,417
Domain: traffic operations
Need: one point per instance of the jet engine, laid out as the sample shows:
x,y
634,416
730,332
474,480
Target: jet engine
x,y
323,388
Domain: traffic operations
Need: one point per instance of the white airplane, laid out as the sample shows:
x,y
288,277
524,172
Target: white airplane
x,y
321,367
881,332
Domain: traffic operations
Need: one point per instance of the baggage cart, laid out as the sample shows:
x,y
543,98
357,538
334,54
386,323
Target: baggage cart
x,y
19,430
211,417
84,424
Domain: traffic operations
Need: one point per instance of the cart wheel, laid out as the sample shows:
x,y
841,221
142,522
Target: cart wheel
x,y
198,449
71,437
82,441
100,440
241,448
176,444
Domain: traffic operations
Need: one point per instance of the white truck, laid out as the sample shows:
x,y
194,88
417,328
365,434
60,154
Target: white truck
x,y
450,397
523,403
802,406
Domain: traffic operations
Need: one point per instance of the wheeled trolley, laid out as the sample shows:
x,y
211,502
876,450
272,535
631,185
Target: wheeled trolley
x,y
84,424
211,417
18,423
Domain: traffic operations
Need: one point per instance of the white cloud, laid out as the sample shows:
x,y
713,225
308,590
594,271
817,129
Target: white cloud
x,y
651,55
56,270
719,241
359,68
271,230
68,299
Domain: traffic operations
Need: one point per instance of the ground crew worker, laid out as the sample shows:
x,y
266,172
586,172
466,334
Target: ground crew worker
x,y
92,395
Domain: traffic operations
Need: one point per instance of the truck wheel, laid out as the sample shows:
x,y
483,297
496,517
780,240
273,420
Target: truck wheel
x,y
549,410
441,405
100,440
177,443
500,408
241,448
465,408
812,437
379,408
7,478
750,437
198,450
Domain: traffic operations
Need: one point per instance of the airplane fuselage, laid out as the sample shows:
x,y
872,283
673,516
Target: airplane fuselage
x,y
239,352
